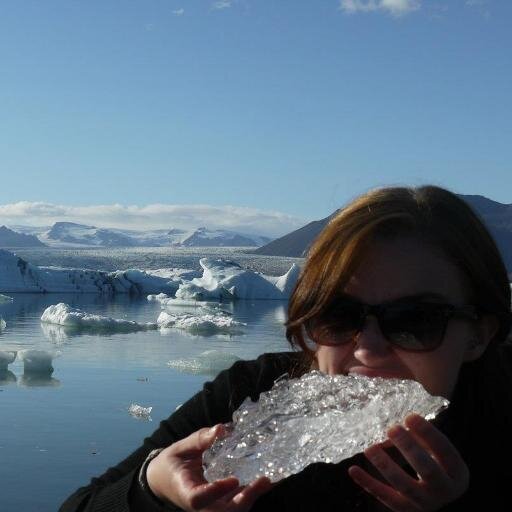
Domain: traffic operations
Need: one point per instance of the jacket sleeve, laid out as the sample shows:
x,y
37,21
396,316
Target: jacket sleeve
x,y
117,490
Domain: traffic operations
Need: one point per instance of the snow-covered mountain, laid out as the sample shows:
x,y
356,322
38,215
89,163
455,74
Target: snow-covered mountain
x,y
10,238
202,237
70,234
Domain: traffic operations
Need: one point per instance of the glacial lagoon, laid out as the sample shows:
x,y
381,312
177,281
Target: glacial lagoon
x,y
59,430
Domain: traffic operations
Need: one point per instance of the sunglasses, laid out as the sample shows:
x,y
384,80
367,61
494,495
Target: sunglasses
x,y
410,325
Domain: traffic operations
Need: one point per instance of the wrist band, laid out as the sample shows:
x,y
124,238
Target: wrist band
x,y
143,481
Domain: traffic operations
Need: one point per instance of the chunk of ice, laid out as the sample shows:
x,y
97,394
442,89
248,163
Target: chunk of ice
x,y
3,325
205,324
63,314
137,411
208,362
6,358
5,298
36,361
317,418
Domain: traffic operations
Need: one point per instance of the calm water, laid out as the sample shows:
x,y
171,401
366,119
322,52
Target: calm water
x,y
56,433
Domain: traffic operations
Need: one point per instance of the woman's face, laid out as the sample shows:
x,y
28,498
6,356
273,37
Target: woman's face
x,y
391,270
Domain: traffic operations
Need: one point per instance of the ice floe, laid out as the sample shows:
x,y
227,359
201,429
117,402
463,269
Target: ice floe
x,y
140,412
65,315
6,358
227,280
208,362
207,323
37,361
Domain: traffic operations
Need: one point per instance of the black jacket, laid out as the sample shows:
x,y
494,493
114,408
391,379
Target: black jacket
x,y
477,422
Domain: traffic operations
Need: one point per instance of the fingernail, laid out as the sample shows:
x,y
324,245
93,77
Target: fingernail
x,y
396,432
212,430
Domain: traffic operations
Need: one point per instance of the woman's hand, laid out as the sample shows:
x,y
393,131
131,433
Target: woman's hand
x,y
176,475
442,474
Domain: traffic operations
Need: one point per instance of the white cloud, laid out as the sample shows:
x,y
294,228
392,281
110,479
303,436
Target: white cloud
x,y
179,12
153,216
222,4
394,7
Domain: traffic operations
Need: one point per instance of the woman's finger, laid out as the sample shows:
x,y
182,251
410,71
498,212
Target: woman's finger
x,y
204,495
439,446
384,493
395,475
249,494
195,444
428,470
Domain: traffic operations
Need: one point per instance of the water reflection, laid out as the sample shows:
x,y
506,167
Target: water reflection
x,y
7,377
32,380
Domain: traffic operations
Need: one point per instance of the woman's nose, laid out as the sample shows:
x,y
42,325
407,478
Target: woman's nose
x,y
370,342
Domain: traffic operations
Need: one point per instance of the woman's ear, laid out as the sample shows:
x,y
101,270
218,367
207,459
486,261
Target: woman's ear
x,y
486,329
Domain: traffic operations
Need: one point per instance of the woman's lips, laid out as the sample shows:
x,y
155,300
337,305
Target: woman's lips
x,y
375,372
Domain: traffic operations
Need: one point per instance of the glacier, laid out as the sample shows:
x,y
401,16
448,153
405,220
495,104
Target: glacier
x,y
219,280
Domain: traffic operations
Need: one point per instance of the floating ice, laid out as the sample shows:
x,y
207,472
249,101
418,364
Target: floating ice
x,y
161,297
5,298
226,280
36,361
65,315
208,362
204,324
6,358
219,279
317,418
3,325
17,275
137,411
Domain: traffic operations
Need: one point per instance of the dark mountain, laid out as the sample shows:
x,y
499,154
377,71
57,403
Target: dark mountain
x,y
296,243
496,216
10,238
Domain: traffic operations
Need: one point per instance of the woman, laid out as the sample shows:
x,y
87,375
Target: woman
x,y
401,283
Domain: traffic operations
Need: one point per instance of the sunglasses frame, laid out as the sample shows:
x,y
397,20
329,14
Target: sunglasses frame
x,y
449,311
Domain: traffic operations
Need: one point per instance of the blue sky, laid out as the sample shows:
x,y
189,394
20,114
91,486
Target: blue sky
x,y
280,109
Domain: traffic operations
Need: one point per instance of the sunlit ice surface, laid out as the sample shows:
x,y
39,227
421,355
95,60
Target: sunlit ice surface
x,y
61,428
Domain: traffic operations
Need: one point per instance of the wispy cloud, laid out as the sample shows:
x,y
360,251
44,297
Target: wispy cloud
x,y
153,216
222,4
179,12
481,6
393,7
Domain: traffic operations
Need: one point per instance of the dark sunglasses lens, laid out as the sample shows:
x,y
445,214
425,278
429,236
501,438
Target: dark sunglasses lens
x,y
414,327
338,325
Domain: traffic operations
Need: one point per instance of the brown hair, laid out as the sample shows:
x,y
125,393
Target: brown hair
x,y
430,213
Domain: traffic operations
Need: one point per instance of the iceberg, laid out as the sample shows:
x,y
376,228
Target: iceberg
x,y
6,358
207,362
203,324
140,412
37,361
316,418
17,275
227,280
219,279
76,319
